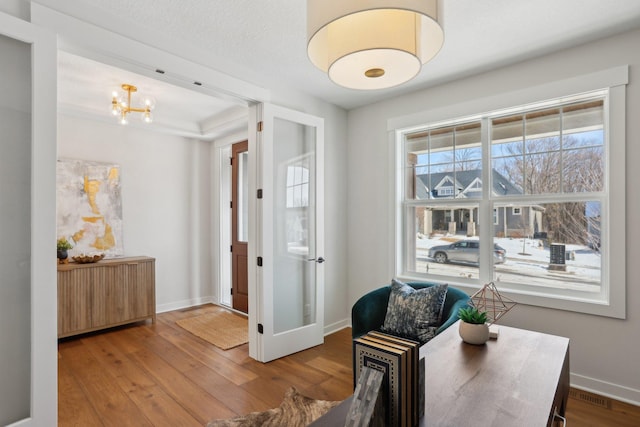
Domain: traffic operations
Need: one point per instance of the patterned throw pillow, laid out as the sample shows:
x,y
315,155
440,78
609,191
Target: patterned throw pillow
x,y
414,313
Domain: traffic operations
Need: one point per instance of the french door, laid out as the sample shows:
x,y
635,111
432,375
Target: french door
x,y
28,362
286,234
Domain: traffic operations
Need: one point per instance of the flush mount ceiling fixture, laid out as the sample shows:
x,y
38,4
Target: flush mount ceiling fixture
x,y
121,105
372,44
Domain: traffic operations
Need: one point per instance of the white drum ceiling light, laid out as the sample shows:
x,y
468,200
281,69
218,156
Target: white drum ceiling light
x,y
369,44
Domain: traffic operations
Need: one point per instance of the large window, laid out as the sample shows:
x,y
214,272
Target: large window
x,y
519,197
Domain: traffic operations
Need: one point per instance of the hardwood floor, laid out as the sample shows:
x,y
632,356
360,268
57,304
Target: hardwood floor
x,y
161,375
587,409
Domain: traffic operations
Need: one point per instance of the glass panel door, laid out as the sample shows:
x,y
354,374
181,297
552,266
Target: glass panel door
x,y
242,197
288,279
15,231
294,302
28,393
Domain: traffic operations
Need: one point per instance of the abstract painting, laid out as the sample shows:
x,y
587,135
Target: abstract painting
x,y
89,212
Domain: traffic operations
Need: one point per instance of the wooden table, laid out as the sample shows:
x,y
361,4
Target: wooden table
x,y
518,380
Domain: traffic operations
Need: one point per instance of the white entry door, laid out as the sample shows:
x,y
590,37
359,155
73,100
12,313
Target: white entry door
x,y
286,232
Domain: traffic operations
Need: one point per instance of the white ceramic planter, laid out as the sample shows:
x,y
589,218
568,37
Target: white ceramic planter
x,y
474,334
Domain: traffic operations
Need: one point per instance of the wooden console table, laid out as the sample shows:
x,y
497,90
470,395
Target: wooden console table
x,y
520,379
108,293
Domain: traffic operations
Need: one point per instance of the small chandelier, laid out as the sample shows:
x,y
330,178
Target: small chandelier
x,y
121,105
372,44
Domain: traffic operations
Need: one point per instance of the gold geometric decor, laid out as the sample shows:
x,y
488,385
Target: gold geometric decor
x,y
488,299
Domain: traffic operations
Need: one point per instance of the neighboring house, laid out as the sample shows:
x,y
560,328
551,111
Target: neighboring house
x,y
511,221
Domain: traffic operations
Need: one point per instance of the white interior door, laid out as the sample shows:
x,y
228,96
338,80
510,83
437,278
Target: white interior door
x,y
28,362
286,233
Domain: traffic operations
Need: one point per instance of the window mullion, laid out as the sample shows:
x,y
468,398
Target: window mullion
x,y
485,220
562,184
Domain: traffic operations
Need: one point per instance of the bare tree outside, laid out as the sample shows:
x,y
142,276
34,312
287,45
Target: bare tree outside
x,y
464,159
551,166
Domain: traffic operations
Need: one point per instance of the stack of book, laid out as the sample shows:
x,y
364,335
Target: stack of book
x,y
403,385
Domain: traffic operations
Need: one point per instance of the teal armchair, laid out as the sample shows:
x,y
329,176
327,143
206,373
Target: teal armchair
x,y
368,313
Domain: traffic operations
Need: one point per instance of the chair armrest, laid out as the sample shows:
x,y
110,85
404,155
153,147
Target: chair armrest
x,y
368,313
452,315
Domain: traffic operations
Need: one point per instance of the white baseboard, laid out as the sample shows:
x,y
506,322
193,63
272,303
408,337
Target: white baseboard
x,y
177,305
603,388
335,327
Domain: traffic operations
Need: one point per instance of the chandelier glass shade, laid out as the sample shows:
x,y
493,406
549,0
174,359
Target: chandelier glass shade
x,y
121,105
372,44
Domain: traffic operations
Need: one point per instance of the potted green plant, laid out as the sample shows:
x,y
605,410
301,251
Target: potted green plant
x,y
473,325
63,246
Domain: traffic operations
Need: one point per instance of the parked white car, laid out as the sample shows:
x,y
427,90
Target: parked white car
x,y
465,251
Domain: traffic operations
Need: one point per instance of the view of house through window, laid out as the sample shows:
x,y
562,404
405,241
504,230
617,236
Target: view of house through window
x,y
512,197
297,205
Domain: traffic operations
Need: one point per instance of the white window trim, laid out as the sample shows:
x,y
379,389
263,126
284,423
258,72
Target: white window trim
x,y
611,301
516,212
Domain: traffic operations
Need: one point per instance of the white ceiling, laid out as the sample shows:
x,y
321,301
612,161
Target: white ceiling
x,y
85,89
264,42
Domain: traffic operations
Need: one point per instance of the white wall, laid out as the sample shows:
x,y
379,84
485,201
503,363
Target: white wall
x,y
166,200
18,8
604,351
